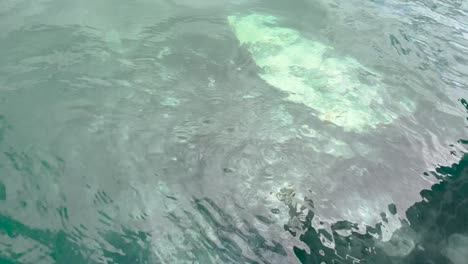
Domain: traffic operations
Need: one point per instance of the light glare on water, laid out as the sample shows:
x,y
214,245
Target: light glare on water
x,y
232,131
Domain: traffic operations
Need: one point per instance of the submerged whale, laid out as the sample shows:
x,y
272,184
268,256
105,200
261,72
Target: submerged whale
x,y
340,89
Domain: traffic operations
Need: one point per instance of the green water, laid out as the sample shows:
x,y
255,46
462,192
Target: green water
x,y
233,131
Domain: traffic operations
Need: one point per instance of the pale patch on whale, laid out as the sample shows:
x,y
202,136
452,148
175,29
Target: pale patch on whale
x,y
342,90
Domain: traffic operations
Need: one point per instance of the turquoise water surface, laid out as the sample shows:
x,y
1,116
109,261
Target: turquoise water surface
x,y
233,131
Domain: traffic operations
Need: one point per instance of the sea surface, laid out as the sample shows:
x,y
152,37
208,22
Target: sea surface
x,y
149,131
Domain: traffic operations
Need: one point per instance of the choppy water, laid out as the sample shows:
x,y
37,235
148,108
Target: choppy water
x,y
143,132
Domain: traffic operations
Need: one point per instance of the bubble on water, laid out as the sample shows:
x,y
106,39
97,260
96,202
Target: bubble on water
x,y
170,101
164,52
211,82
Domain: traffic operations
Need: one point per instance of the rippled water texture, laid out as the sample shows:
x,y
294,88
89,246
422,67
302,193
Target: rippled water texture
x,y
233,131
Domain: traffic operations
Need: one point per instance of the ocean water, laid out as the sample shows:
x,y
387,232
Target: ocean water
x,y
233,131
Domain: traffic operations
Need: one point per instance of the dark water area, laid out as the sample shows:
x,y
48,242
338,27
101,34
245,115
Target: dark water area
x,y
435,231
232,131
